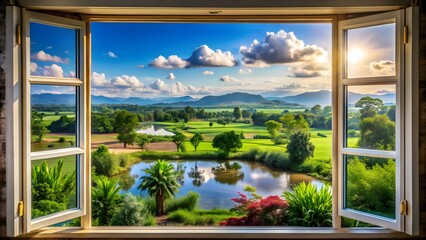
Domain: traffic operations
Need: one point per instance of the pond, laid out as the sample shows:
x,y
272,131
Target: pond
x,y
216,190
154,130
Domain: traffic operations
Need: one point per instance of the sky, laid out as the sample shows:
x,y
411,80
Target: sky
x,y
150,60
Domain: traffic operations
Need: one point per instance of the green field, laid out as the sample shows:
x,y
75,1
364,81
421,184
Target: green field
x,y
265,110
50,116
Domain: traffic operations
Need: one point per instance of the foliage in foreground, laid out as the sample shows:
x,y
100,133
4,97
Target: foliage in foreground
x,y
199,216
309,206
50,189
132,212
105,199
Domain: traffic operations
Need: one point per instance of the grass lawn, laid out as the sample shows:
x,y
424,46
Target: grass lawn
x,y
200,217
50,116
68,167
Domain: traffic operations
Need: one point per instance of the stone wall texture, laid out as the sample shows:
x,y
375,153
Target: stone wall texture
x,y
422,111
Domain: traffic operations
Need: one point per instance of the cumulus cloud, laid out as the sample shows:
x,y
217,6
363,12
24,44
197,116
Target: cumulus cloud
x,y
158,85
385,67
171,76
71,74
45,57
202,56
111,54
208,72
244,71
227,78
125,81
53,71
33,67
172,61
99,80
292,85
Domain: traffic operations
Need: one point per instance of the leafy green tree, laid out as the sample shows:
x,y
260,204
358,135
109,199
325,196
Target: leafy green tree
x,y
63,125
105,199
316,109
300,148
102,161
160,181
273,128
377,132
196,140
125,124
101,124
38,129
245,114
142,140
391,113
222,122
369,106
211,123
259,118
50,188
227,142
179,140
294,122
237,113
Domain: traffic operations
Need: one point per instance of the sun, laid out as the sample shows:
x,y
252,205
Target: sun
x,y
354,55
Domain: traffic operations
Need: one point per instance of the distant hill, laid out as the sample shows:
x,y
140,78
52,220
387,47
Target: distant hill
x,y
49,98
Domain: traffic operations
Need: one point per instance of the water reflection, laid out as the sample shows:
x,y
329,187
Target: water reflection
x,y
154,130
216,190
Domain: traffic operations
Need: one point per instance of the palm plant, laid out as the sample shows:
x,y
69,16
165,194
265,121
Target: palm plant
x,y
160,181
105,198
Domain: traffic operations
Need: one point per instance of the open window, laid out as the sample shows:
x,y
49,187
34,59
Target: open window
x,y
54,174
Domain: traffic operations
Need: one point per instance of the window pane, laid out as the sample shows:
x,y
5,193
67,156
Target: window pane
x,y
53,51
371,51
53,117
371,117
53,185
370,185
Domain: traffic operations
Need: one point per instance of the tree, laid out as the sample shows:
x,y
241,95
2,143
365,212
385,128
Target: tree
x,y
160,181
63,125
245,114
273,128
316,109
369,106
179,139
105,199
125,124
227,142
222,122
294,122
237,113
101,124
142,140
377,132
391,113
195,140
211,123
299,148
38,129
259,118
102,161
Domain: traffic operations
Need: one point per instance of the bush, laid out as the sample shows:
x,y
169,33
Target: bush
x,y
132,212
50,145
188,202
321,135
353,133
61,139
273,159
102,161
309,206
320,168
261,137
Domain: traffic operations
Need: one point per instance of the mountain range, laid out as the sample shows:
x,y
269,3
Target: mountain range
x,y
306,99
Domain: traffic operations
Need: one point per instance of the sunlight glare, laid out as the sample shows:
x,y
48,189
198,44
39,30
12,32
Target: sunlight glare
x,y
355,55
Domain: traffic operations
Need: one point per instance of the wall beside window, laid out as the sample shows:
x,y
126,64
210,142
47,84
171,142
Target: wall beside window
x,y
422,126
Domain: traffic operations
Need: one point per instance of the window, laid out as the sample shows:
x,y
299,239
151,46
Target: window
x,y
60,64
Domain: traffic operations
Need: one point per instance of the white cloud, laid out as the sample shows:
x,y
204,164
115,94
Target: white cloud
x,y
99,80
125,81
71,74
53,71
158,85
45,57
208,72
385,67
202,56
244,71
171,76
33,67
140,66
172,61
111,54
228,78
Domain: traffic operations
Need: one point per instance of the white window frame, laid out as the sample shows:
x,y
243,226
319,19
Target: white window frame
x,y
81,133
17,225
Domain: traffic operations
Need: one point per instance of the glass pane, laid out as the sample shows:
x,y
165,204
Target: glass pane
x,y
371,51
371,117
53,185
53,117
370,185
53,51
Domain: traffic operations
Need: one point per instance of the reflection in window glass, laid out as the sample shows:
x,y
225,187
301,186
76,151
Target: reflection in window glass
x,y
371,51
53,117
371,117
53,51
53,185
370,185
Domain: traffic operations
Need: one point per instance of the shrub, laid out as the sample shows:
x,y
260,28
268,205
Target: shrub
x,y
353,133
61,139
102,161
261,137
105,199
309,206
317,167
269,211
274,159
188,202
132,212
50,145
321,135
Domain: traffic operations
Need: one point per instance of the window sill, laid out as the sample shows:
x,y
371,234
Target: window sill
x,y
215,232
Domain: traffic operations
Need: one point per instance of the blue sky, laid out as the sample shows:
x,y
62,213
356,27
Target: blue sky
x,y
198,59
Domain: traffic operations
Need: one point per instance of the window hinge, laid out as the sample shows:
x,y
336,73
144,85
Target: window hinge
x,y
21,209
403,207
405,37
18,34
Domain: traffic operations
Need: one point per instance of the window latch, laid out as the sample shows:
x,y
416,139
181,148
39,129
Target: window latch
x,y
405,35
18,34
403,207
21,209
